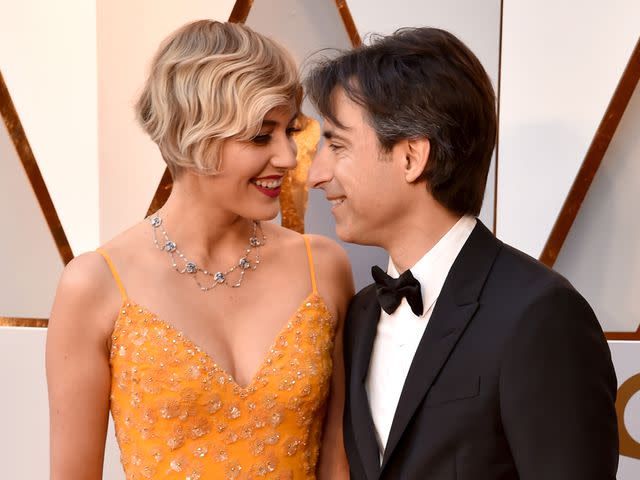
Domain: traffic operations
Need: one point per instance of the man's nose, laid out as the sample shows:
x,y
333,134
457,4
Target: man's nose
x,y
321,170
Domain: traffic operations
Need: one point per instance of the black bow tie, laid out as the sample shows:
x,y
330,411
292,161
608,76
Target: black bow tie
x,y
391,290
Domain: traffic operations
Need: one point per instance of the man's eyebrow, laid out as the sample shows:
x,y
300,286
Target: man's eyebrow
x,y
331,134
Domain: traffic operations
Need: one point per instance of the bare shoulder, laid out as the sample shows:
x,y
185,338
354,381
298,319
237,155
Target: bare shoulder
x,y
86,290
87,275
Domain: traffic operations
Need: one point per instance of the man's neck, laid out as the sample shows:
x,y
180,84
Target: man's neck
x,y
417,235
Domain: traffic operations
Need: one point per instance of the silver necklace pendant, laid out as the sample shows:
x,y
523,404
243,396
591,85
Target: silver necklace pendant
x,y
249,260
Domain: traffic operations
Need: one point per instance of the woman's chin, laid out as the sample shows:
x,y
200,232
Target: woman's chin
x,y
265,215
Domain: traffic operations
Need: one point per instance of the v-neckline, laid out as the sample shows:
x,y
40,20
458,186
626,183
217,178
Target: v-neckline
x,y
128,303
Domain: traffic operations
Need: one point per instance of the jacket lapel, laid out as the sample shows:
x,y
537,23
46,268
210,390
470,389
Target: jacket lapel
x,y
454,309
362,421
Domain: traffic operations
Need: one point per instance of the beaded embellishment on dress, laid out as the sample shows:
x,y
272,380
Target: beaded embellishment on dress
x,y
179,415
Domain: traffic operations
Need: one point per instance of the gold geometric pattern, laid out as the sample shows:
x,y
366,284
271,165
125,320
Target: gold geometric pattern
x,y
629,447
23,322
293,198
593,158
21,144
596,152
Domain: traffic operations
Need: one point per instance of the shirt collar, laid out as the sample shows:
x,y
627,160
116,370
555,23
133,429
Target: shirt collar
x,y
432,269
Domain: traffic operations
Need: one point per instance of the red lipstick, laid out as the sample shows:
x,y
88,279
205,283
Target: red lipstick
x,y
269,192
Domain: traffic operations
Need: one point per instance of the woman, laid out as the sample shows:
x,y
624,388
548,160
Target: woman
x,y
209,332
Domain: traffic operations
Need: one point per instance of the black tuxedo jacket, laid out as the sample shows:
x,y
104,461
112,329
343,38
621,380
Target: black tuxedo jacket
x,y
512,379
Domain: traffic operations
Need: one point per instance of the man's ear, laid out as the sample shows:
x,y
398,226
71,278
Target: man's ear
x,y
416,158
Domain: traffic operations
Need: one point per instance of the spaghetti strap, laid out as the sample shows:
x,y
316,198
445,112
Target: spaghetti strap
x,y
312,270
114,272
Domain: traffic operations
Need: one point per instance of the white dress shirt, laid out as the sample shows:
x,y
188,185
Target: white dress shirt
x,y
399,334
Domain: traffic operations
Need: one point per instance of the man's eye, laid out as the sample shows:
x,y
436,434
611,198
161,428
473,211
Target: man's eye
x,y
261,139
334,147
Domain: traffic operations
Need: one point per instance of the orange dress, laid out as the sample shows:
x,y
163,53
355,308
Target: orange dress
x,y
179,415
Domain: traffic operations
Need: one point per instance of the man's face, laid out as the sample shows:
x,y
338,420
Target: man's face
x,y
362,182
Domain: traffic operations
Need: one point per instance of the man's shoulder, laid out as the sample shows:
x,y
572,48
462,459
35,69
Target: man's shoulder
x,y
522,296
515,265
519,280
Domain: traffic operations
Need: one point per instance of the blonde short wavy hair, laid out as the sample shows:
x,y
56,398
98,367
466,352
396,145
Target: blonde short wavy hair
x,y
211,81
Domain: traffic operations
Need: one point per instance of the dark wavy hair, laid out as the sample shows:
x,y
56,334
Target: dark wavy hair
x,y
416,83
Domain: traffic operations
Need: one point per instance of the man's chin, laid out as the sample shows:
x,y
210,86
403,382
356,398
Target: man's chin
x,y
347,234
343,233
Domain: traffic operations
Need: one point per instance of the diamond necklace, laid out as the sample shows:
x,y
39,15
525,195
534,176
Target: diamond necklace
x,y
245,263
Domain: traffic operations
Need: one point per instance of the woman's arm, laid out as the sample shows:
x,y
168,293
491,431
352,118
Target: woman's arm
x,y
78,374
335,282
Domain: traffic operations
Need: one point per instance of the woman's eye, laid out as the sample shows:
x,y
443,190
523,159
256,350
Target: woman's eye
x,y
261,139
292,130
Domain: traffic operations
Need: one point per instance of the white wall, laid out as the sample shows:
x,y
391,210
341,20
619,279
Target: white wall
x,y
24,442
601,254
31,254
561,62
24,416
48,60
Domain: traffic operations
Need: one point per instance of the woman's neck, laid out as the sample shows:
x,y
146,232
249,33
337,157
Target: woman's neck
x,y
202,230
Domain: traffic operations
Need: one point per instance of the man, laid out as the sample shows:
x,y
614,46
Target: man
x,y
477,362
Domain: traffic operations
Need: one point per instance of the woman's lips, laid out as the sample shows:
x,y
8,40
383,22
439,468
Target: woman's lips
x,y
269,192
270,186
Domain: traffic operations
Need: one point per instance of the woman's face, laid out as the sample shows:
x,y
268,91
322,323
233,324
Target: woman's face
x,y
251,172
